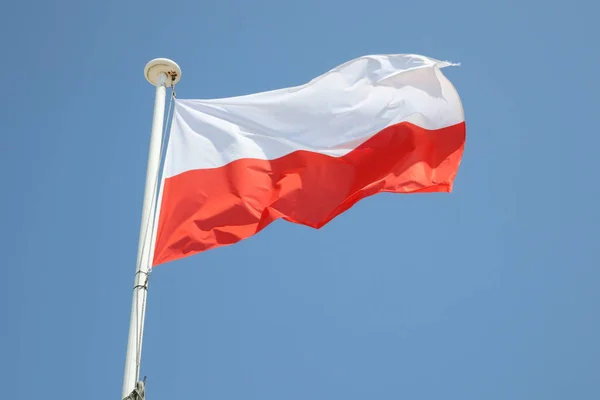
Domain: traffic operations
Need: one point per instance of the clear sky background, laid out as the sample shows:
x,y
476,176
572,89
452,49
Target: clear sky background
x,y
490,292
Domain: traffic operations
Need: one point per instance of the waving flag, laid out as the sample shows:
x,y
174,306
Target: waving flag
x,y
382,123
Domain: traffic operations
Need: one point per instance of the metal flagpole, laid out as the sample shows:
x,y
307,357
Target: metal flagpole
x,y
161,73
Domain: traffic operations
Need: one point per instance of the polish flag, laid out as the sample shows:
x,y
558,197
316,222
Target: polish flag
x,y
381,123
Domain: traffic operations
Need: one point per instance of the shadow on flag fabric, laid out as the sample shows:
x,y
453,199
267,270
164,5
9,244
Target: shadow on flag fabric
x,y
380,123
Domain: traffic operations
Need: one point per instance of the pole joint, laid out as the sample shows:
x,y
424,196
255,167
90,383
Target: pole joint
x,y
138,280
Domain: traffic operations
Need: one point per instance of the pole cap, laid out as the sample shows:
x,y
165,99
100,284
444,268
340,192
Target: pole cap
x,y
162,65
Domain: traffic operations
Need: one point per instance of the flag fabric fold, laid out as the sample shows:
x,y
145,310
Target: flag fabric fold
x,y
381,123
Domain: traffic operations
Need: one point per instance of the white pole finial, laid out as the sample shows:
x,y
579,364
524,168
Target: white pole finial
x,y
159,66
160,72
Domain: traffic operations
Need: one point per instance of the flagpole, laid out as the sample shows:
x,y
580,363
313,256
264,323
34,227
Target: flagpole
x,y
161,73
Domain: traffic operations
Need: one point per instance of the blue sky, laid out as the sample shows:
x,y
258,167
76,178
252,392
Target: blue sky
x,y
490,292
